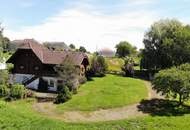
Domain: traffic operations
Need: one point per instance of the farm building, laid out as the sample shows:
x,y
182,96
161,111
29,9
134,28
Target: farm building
x,y
33,62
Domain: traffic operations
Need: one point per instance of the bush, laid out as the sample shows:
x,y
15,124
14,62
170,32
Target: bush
x,y
29,93
17,91
63,95
98,66
3,90
4,77
82,79
128,67
184,67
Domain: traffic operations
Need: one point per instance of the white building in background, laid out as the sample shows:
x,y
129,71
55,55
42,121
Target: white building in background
x,y
106,52
3,64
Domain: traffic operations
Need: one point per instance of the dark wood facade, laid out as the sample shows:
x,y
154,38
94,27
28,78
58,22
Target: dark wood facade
x,y
26,62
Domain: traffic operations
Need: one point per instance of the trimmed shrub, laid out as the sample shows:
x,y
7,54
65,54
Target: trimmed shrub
x,y
17,91
4,91
63,95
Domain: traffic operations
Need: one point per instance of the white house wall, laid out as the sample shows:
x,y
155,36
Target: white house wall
x,y
19,78
34,84
54,87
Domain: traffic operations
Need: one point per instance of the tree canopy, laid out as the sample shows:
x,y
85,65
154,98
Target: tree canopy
x,y
124,48
174,82
82,49
69,74
98,65
72,46
167,43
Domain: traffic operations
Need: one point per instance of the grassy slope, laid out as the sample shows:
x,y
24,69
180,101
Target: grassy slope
x,y
19,116
107,92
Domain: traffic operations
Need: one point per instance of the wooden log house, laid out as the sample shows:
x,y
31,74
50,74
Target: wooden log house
x,y
32,61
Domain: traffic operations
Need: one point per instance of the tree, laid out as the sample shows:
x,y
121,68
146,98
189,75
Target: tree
x,y
98,65
17,91
1,42
128,66
82,49
5,44
174,82
4,77
72,46
69,73
124,48
4,41
166,44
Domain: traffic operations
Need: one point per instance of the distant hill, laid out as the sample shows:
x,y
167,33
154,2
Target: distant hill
x,y
15,44
56,46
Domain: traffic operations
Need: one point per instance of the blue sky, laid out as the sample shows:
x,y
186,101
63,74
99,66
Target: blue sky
x,y
91,23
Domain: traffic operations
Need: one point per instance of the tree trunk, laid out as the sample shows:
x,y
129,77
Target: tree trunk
x,y
180,99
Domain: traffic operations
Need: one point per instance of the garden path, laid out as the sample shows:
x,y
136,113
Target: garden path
x,y
129,111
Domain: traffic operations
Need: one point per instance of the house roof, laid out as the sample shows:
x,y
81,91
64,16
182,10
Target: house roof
x,y
47,56
57,46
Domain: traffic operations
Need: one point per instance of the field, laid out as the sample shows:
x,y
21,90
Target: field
x,y
114,64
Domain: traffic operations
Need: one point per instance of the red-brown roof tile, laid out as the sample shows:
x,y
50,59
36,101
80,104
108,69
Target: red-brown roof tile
x,y
51,57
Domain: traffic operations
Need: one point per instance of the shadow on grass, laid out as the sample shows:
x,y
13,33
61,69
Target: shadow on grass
x,y
90,79
163,107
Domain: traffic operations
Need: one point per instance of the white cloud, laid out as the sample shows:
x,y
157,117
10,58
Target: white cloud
x,y
89,28
141,2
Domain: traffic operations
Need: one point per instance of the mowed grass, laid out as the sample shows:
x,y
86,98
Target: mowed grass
x,y
106,92
20,116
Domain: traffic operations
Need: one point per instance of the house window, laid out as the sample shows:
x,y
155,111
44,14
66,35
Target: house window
x,y
21,67
51,83
36,67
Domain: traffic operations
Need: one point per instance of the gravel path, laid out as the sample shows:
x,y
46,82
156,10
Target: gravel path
x,y
130,111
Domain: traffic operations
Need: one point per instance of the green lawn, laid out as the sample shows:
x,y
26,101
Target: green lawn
x,y
107,92
19,116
